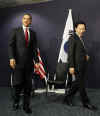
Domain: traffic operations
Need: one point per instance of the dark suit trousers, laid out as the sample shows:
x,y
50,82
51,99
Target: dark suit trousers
x,y
23,81
78,84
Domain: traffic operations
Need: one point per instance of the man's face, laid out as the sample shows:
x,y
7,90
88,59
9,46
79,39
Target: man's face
x,y
80,29
26,20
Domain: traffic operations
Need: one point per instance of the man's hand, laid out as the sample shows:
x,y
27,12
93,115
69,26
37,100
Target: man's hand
x,y
72,70
12,63
87,57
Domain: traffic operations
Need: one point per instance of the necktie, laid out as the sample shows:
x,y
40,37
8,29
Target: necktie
x,y
26,36
82,42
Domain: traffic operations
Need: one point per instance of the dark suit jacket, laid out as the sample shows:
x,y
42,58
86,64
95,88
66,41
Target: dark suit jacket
x,y
76,52
17,48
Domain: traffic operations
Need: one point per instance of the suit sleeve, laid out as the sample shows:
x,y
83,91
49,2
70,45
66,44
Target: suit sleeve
x,y
71,52
12,44
35,52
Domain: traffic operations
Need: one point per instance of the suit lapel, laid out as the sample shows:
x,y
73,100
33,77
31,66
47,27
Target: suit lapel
x,y
22,35
30,36
77,38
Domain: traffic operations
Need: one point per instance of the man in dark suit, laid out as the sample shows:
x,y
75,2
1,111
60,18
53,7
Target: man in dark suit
x,y
22,48
77,63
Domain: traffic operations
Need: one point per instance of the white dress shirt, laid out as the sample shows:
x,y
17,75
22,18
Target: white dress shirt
x,y
24,28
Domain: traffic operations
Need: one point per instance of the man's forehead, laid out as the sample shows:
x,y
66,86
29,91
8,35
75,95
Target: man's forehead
x,y
26,16
81,25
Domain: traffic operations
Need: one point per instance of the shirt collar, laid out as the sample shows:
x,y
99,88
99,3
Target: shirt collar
x,y
78,36
25,27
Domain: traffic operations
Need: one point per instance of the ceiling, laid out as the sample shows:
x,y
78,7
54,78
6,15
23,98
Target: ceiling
x,y
13,3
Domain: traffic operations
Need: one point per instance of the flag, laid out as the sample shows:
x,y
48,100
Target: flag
x,y
63,55
41,72
61,68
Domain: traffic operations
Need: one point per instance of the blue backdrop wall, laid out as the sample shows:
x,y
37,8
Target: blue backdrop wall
x,y
48,21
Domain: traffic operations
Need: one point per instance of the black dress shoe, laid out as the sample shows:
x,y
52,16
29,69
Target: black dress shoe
x,y
90,106
68,101
15,106
27,110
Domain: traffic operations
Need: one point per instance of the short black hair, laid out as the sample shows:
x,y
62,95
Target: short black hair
x,y
80,22
28,15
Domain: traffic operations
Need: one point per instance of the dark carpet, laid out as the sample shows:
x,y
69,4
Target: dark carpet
x,y
51,105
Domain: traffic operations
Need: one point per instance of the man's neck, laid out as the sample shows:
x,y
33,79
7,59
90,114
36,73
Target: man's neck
x,y
78,35
25,26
